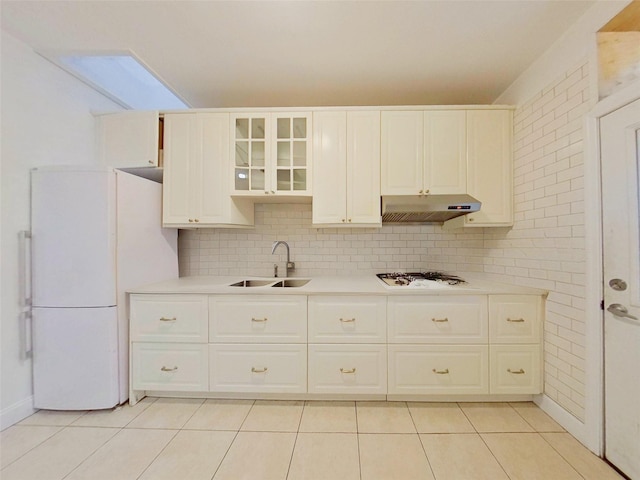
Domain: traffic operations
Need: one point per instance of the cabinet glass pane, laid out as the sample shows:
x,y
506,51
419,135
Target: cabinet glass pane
x,y
284,154
300,154
257,179
299,128
257,154
257,128
284,180
284,129
242,154
242,179
299,179
242,128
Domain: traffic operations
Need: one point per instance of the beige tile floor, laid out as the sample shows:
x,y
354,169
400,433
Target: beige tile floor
x,y
177,439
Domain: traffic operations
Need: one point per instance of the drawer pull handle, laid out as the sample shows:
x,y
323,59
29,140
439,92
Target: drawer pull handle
x,y
259,320
515,320
440,372
347,370
165,369
348,320
259,370
516,372
166,319
438,320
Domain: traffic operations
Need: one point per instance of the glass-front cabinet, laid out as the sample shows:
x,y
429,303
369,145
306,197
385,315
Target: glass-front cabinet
x,y
271,153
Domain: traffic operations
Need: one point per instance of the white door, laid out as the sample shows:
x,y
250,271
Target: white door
x,y
620,146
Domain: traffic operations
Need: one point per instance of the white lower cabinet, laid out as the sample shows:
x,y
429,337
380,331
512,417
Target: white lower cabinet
x,y
343,368
258,368
347,319
170,367
258,318
449,319
438,369
515,369
336,344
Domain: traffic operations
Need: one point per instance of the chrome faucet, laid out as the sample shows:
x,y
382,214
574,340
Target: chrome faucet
x,y
290,265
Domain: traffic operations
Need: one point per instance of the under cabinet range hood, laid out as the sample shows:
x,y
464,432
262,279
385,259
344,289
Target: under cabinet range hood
x,y
426,208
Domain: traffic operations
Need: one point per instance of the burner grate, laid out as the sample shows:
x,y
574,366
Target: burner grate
x,y
405,278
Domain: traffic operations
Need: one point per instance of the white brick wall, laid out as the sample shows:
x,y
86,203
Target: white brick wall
x,y
544,249
327,251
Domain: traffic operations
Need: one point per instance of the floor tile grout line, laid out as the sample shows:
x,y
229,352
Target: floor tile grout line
x,y
559,453
170,440
494,456
159,453
61,428
295,441
355,407
433,474
483,440
94,452
233,440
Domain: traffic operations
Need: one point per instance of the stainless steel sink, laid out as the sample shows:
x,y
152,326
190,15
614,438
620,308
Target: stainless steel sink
x,y
291,282
251,283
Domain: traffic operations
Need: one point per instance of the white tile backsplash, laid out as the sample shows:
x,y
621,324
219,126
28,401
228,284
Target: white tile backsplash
x,y
544,249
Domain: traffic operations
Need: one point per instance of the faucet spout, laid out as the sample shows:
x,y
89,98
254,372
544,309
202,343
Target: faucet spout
x,y
290,265
280,242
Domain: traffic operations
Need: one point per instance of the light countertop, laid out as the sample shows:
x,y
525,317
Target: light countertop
x,y
334,285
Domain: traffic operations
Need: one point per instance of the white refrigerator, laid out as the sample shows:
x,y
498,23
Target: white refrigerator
x,y
95,233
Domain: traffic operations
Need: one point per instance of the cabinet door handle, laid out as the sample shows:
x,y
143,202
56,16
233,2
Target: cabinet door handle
x,y
191,220
259,370
516,372
347,370
438,320
259,320
167,319
440,372
515,320
166,369
348,320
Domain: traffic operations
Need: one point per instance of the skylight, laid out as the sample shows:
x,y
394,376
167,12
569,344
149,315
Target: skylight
x,y
122,78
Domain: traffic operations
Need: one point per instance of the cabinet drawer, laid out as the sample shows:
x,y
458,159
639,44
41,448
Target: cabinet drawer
x,y
258,368
358,319
169,318
348,369
438,369
452,319
515,318
263,319
170,367
515,369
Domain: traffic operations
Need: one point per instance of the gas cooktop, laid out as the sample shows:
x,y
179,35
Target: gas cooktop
x,y
420,279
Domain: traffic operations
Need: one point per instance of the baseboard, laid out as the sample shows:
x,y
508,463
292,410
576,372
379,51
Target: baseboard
x,y
571,424
16,412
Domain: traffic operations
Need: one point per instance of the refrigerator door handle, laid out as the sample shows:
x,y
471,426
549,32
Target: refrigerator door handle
x,y
26,296
26,299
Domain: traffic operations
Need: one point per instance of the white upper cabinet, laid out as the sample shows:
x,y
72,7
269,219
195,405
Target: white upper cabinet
x,y
346,179
490,169
424,152
128,139
196,192
445,152
271,153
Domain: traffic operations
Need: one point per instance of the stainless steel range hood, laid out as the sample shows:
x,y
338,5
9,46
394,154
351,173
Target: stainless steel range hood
x,y
427,208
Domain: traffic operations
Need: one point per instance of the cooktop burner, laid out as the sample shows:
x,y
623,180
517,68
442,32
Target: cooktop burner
x,y
417,279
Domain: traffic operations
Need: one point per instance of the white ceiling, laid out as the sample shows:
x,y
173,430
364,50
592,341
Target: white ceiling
x,y
310,53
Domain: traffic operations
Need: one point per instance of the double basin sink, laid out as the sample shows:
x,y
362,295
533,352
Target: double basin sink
x,y
284,283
